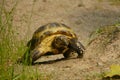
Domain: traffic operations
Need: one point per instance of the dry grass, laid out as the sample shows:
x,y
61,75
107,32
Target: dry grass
x,y
11,49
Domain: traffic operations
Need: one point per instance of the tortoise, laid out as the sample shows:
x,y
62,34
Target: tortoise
x,y
51,39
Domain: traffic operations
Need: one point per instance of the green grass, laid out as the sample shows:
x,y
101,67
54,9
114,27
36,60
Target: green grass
x,y
115,2
11,49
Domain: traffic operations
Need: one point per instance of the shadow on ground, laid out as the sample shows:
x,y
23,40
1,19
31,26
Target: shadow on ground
x,y
53,61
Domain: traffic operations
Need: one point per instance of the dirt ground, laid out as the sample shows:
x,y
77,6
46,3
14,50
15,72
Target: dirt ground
x,y
83,16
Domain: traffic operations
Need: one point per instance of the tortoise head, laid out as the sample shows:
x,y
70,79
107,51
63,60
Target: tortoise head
x,y
60,42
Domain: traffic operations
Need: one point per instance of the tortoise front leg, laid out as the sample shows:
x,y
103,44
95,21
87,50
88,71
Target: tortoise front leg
x,y
67,53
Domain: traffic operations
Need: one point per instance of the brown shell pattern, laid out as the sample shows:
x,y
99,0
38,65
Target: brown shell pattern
x,y
48,30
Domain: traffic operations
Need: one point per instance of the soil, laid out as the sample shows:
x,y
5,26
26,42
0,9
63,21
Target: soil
x,y
83,16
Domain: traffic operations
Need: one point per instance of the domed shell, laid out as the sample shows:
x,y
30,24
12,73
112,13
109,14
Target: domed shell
x,y
48,30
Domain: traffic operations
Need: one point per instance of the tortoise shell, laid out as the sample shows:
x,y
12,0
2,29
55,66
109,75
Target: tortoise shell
x,y
50,30
53,38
